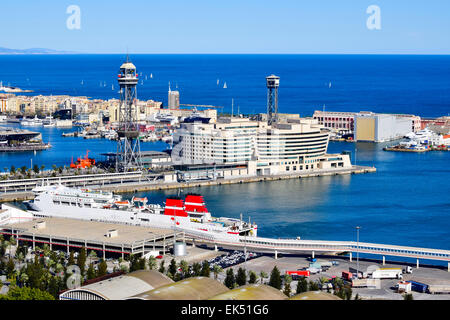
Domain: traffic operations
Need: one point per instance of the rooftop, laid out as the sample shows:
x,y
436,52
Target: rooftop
x,y
90,230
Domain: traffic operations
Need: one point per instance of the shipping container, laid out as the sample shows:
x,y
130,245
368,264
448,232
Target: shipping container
x,y
418,287
387,273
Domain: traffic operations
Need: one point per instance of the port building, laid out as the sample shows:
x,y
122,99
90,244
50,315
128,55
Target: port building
x,y
346,122
104,237
297,145
380,127
118,288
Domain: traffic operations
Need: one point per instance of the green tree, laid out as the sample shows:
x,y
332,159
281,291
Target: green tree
x,y
216,270
196,268
152,263
91,272
172,268
53,287
205,272
102,268
36,169
263,275
26,293
71,260
23,169
162,269
302,285
287,289
348,293
252,277
10,268
184,266
12,170
81,260
275,278
408,296
313,286
241,277
230,280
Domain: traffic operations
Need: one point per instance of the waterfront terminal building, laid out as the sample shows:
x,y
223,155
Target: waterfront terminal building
x,y
256,148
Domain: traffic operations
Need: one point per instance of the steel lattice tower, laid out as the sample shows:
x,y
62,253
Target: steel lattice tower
x,y
128,147
273,82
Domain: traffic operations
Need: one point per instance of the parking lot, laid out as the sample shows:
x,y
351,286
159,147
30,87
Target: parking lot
x,y
386,291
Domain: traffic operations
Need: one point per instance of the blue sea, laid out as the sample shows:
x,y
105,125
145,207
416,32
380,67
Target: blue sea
x,y
405,202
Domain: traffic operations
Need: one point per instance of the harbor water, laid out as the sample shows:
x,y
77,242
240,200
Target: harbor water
x,y
406,202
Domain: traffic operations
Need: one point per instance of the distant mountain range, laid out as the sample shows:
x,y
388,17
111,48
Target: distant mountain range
x,y
32,51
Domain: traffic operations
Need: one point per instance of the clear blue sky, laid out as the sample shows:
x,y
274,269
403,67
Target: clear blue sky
x,y
228,26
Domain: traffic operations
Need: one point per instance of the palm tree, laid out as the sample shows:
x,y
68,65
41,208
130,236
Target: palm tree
x,y
184,266
262,276
216,270
152,263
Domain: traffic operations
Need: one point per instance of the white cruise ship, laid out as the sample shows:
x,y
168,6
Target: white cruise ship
x,y
86,204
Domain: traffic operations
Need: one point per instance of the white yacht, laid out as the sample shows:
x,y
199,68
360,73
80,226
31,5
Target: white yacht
x,y
35,122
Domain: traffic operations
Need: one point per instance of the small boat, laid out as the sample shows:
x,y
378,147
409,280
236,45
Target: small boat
x,y
151,75
225,85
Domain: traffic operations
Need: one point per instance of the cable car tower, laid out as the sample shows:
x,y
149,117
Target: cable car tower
x,y
128,147
273,82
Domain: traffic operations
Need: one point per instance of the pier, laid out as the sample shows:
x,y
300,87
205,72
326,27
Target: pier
x,y
137,181
149,186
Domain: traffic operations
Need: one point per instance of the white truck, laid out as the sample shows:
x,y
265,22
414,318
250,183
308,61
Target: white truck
x,y
387,273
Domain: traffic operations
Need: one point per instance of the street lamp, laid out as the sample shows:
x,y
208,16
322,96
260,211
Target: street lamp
x,y
357,249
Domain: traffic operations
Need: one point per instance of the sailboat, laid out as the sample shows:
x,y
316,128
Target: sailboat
x,y
217,81
151,75
329,85
225,85
112,87
145,77
82,82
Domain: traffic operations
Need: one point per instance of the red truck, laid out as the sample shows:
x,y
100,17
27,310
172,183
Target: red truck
x,y
298,274
347,275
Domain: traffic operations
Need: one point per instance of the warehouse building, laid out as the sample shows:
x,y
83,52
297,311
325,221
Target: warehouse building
x,y
198,288
120,287
373,127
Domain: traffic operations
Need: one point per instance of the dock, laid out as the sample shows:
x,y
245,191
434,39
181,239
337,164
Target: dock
x,y
20,190
132,187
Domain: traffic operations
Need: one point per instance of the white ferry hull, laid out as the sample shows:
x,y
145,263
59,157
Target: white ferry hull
x,y
45,207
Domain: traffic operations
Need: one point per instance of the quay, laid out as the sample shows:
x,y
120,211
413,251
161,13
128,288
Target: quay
x,y
137,181
124,188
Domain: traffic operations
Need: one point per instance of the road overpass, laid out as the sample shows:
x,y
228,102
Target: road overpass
x,y
313,247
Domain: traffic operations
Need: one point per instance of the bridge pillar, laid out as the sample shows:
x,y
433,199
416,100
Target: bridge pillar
x,y
384,260
350,257
417,264
312,255
276,254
